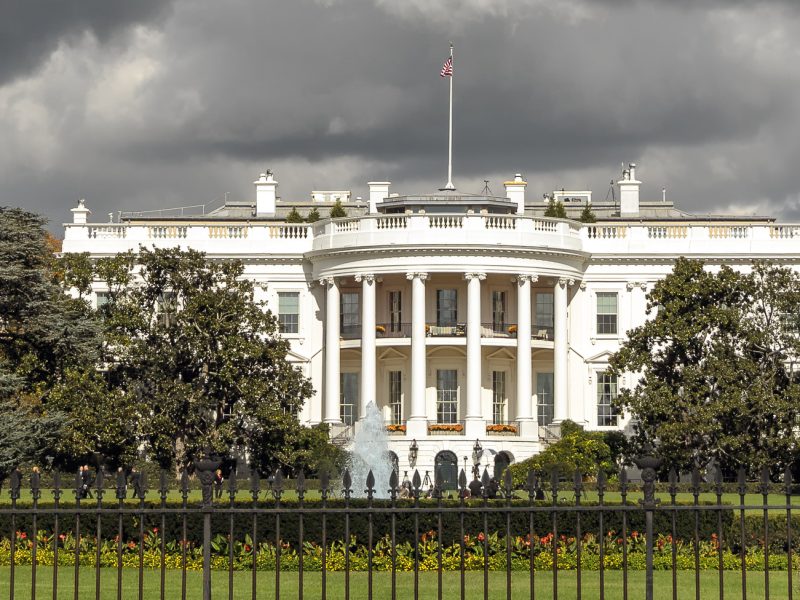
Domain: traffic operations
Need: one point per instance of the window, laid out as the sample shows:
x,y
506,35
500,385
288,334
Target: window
x,y
396,397
395,311
606,312
166,307
544,395
606,392
348,394
288,312
351,319
498,310
544,310
103,301
446,308
446,396
498,397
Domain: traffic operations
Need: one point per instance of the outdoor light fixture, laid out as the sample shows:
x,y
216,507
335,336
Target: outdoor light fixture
x,y
477,453
413,451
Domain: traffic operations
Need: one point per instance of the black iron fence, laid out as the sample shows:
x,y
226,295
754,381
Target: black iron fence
x,y
546,536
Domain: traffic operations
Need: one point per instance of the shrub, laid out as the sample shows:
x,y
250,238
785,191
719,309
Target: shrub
x,y
338,211
294,216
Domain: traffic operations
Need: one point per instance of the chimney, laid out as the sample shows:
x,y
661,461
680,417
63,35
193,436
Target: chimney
x,y
80,213
515,191
266,188
378,190
629,192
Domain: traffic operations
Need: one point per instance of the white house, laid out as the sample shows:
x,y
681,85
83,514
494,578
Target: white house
x,y
472,321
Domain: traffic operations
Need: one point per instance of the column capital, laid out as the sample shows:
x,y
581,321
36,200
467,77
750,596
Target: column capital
x,y
368,277
478,276
326,281
566,281
420,276
523,277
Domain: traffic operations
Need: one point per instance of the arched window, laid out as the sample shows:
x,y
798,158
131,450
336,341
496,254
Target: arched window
x,y
501,462
446,465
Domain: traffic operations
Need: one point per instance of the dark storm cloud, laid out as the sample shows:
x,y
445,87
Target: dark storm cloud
x,y
31,29
333,93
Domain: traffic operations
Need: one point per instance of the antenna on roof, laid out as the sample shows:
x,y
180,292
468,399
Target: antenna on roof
x,y
486,191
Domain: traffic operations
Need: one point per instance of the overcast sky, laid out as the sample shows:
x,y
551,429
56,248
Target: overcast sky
x,y
151,104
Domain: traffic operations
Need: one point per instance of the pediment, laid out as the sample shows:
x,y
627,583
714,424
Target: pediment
x,y
391,353
602,357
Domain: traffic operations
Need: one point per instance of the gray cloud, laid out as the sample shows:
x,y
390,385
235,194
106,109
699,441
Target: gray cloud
x,y
30,30
333,93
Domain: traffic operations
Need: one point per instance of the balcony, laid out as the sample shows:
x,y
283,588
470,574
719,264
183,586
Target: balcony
x,y
393,330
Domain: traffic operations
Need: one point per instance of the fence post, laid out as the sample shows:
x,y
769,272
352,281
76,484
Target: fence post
x,y
648,465
205,469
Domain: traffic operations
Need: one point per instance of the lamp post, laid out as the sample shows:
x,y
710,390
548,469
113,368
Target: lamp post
x,y
477,454
413,452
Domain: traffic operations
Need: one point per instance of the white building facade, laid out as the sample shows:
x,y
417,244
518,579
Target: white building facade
x,y
473,322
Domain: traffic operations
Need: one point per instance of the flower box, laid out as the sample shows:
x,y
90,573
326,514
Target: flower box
x,y
501,429
445,428
395,429
512,329
380,329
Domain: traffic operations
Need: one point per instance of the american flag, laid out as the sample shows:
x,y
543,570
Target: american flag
x,y
447,67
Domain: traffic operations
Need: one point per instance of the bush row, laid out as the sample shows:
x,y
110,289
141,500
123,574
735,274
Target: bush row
x,y
407,524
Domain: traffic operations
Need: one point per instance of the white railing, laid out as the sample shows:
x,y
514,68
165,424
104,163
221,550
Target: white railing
x,y
158,232
105,232
606,232
446,222
234,232
737,232
289,232
346,225
784,231
500,222
667,232
392,222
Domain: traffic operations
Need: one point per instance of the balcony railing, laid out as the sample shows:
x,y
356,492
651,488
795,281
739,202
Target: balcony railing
x,y
350,332
393,330
455,330
498,330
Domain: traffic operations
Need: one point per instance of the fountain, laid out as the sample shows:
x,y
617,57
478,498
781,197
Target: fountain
x,y
370,450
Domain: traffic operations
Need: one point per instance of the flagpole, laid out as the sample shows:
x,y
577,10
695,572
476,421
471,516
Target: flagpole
x,y
450,185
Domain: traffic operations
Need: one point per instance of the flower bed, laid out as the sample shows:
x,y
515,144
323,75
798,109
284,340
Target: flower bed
x,y
476,546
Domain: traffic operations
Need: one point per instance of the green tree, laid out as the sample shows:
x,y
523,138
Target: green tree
x,y
203,358
337,210
555,209
576,450
43,334
587,214
313,215
294,216
101,420
713,367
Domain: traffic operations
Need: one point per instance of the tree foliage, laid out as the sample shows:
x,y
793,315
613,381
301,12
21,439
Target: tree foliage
x,y
313,215
202,357
715,366
294,216
576,450
337,210
555,209
587,214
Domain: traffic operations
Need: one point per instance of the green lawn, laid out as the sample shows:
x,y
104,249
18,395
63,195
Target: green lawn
x,y
382,585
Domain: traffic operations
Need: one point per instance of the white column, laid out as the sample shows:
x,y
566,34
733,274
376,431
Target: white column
x,y
560,376
368,370
417,423
476,424
331,399
526,416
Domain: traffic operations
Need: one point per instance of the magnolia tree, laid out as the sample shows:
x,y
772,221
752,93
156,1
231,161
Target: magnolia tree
x,y
715,367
